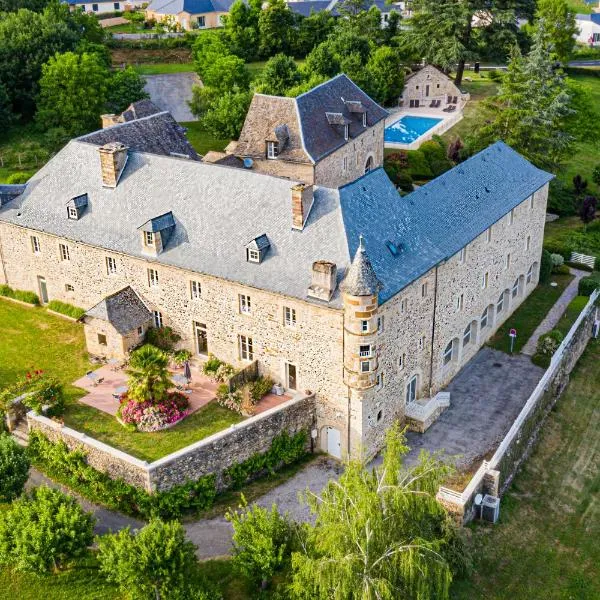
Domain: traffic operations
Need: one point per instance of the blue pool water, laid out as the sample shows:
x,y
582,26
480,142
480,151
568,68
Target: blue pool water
x,y
409,128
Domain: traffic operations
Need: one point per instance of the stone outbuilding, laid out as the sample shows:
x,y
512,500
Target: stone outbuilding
x,y
116,324
429,87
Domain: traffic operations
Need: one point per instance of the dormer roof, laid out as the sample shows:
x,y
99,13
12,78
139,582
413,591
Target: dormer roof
x,y
259,243
159,223
80,201
337,119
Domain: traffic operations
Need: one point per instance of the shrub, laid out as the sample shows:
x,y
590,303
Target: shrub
x,y
47,396
66,309
545,266
494,75
149,416
162,337
559,248
14,468
557,260
561,270
588,284
549,342
211,365
181,356
148,375
44,531
230,400
155,562
435,153
259,388
561,200
404,182
418,166
261,541
22,295
19,177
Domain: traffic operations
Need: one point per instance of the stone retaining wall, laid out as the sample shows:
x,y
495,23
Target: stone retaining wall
x,y
211,455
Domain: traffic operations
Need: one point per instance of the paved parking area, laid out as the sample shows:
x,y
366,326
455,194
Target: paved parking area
x,y
172,92
486,397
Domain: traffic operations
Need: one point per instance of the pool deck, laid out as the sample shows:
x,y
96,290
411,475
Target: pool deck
x,y
448,121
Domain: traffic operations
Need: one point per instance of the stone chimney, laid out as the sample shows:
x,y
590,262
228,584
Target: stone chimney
x,y
324,280
109,120
302,200
113,157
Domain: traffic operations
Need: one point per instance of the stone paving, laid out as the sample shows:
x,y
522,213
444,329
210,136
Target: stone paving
x,y
172,92
556,312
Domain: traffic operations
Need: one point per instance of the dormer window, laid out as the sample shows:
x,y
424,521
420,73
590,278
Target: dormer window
x,y
156,233
72,213
257,249
149,238
76,207
272,150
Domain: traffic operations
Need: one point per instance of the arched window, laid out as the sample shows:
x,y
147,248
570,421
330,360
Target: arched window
x,y
515,288
448,353
530,274
484,318
467,335
369,165
500,304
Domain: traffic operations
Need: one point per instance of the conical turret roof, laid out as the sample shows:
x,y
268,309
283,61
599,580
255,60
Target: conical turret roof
x,y
361,279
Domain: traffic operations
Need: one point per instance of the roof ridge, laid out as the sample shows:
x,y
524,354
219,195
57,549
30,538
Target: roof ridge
x,y
322,84
146,118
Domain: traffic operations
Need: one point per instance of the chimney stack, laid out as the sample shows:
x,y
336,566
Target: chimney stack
x,y
324,280
109,120
113,157
302,201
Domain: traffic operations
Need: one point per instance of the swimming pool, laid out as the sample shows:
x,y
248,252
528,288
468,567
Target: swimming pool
x,y
407,129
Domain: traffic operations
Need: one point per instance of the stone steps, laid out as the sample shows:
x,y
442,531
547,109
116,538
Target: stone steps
x,y
21,433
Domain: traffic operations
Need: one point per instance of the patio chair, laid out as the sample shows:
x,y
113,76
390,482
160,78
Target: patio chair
x,y
438,103
432,104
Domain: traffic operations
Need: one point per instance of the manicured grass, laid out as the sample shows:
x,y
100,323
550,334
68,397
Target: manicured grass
x,y
569,232
530,314
149,446
546,543
162,68
201,140
22,150
33,339
571,313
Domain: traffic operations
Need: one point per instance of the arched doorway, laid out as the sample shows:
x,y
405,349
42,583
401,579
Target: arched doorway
x,y
369,165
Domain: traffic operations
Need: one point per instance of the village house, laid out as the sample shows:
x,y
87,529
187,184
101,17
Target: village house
x,y
105,6
429,87
189,14
369,299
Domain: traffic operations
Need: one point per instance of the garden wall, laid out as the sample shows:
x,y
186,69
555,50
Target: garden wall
x,y
494,476
211,455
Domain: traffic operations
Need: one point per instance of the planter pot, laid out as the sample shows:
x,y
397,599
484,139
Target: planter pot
x,y
277,389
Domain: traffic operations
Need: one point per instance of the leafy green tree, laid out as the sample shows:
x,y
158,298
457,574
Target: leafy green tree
x,y
15,5
73,92
124,87
305,86
224,115
226,74
379,533
261,541
6,115
241,27
559,26
348,42
322,61
546,266
387,75
148,374
312,31
156,562
280,73
44,531
208,47
276,29
14,468
596,175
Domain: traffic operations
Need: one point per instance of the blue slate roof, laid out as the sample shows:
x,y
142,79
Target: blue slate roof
x,y
305,7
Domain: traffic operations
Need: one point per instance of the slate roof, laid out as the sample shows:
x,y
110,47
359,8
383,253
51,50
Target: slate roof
x,y
311,135
193,7
217,210
305,7
124,310
10,191
139,110
361,279
158,133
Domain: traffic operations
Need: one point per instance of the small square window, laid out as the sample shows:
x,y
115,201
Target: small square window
x,y
69,288
148,238
95,7
364,351
272,149
253,255
364,326
102,339
72,213
245,305
365,366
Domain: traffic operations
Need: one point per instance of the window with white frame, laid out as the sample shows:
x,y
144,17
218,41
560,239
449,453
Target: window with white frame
x,y
158,318
500,304
467,335
111,265
63,250
507,261
448,352
289,316
69,287
35,244
148,238
528,243
346,132
253,255
424,290
365,366
152,277
484,280
195,290
459,303
462,255
530,274
484,318
379,381
515,288
272,149
380,324
72,213
245,306
364,119
365,350
364,326
488,235
246,348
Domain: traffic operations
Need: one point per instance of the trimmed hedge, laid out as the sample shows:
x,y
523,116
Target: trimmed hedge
x,y
545,266
66,309
588,284
22,295
70,468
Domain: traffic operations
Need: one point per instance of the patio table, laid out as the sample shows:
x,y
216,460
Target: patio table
x,y
180,379
122,389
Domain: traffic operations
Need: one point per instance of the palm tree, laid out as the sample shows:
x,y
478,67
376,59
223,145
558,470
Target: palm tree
x,y
149,377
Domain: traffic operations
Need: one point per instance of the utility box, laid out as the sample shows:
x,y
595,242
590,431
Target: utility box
x,y
490,508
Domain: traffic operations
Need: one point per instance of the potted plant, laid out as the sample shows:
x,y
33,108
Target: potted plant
x,y
181,356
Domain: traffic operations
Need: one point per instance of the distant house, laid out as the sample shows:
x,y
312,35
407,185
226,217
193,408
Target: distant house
x,y
105,6
589,29
189,14
306,7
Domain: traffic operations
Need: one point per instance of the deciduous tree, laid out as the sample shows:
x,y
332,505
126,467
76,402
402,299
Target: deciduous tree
x,y
280,73
559,26
14,468
387,75
124,87
276,29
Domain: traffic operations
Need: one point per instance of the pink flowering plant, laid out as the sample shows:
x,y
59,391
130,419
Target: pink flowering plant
x,y
150,416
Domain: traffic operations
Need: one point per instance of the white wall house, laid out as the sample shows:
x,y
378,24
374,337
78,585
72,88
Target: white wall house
x,y
106,6
589,29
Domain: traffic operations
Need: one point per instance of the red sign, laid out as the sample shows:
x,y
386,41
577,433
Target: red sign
x,y
513,333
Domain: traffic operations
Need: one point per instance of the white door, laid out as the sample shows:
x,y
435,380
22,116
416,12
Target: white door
x,y
334,442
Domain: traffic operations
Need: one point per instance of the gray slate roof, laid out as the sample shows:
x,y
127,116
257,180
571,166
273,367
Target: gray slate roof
x,y
139,110
158,133
218,209
361,279
124,310
10,191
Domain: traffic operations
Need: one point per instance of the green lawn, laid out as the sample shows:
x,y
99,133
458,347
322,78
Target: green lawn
x,y
201,140
530,314
571,313
161,68
546,543
569,232
22,150
149,446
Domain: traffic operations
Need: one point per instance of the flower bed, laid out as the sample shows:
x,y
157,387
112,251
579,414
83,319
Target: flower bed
x,y
149,416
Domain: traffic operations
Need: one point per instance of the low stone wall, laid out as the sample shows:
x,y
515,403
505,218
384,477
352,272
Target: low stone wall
x,y
234,445
115,463
210,455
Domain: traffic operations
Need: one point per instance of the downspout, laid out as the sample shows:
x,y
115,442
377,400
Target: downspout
x,y
433,331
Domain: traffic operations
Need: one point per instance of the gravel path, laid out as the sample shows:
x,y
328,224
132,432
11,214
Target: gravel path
x,y
556,312
172,92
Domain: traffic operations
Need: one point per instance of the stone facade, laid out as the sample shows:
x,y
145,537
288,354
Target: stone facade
x,y
103,340
429,84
